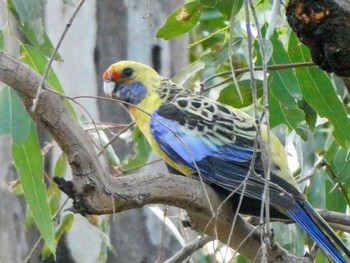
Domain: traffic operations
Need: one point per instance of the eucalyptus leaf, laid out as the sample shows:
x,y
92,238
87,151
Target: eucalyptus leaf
x,y
230,96
29,12
33,57
181,21
28,161
33,31
318,91
65,225
142,151
14,120
1,40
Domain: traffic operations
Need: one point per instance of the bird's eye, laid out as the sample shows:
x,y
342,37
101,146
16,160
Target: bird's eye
x,y
127,72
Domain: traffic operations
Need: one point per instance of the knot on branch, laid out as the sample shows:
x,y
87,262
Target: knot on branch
x,y
324,27
78,198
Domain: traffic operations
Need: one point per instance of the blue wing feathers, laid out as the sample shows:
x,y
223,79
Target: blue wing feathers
x,y
180,146
190,147
227,165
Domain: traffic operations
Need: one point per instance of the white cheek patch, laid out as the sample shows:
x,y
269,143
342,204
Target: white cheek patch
x,y
108,87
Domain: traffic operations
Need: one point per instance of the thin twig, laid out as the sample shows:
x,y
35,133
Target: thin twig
x,y
127,127
319,163
265,145
236,215
255,102
189,249
244,240
142,165
54,53
260,68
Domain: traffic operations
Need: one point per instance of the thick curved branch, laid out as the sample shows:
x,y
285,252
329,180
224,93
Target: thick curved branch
x,y
94,192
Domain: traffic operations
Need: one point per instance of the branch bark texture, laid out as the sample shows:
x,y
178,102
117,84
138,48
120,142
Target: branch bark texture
x,y
323,26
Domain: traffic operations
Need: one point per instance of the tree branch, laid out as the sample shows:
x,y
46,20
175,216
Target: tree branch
x,y
324,27
94,192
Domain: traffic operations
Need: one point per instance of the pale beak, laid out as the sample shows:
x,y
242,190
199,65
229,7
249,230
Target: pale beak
x,y
108,87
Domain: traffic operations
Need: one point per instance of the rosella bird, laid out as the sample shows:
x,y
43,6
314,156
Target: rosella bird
x,y
195,134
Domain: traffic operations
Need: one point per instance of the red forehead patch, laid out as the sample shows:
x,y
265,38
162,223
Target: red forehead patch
x,y
105,75
111,74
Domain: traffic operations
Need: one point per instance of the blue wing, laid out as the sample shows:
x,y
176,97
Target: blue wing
x,y
188,137
223,157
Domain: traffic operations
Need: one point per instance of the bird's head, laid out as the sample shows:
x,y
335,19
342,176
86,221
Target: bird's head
x,y
130,82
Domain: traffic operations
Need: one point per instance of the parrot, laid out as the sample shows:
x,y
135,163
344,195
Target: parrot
x,y
197,135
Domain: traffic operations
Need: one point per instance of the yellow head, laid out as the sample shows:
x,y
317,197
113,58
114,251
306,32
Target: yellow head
x,y
131,82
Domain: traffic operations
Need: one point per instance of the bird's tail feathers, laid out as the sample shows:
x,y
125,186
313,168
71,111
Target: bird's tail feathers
x,y
319,230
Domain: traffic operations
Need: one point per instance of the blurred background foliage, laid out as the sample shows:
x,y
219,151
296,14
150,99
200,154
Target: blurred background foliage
x,y
307,107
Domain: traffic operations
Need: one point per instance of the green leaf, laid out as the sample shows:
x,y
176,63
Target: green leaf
x,y
230,96
228,8
34,58
65,225
335,200
61,166
281,114
53,191
33,32
29,164
29,12
54,197
318,91
284,88
220,54
142,151
180,21
316,194
106,244
338,159
29,222
1,40
291,237
14,120
240,259
69,2
284,92
310,114
16,188
186,74
210,3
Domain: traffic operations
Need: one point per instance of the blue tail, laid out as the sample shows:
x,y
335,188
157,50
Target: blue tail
x,y
313,224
